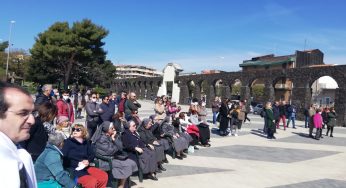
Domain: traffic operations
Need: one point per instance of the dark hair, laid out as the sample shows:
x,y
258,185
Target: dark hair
x,y
4,105
47,111
104,96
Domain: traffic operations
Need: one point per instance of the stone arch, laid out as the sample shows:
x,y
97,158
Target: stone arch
x,y
191,85
323,91
235,88
257,88
218,83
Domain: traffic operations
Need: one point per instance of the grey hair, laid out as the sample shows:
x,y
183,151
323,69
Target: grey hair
x,y
46,86
56,138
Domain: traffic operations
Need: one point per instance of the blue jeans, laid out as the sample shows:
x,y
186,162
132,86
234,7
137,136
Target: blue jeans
x,y
214,117
293,121
307,118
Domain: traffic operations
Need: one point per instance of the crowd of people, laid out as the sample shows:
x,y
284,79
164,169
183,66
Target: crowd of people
x,y
63,151
41,145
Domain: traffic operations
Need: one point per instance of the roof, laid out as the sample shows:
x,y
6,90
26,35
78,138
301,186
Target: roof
x,y
268,60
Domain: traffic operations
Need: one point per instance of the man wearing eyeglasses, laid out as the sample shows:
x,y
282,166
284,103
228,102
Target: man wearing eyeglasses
x,y
131,105
16,119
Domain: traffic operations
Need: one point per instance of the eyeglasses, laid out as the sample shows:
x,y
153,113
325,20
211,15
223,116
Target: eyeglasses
x,y
24,114
93,97
76,129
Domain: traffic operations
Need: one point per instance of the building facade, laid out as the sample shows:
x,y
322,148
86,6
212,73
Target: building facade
x,y
135,71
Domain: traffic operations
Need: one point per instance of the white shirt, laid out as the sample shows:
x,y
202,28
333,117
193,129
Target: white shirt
x,y
12,160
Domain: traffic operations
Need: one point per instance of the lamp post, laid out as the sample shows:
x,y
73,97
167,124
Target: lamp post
x,y
9,48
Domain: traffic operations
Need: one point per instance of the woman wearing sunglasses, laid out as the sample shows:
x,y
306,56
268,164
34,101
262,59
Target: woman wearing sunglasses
x,y
78,153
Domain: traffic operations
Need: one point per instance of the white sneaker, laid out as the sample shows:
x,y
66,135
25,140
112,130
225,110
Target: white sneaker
x,y
235,134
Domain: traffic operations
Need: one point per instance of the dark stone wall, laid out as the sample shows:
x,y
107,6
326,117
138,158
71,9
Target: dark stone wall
x,y
302,79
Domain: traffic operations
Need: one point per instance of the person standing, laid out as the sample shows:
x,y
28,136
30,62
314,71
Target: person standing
x,y
270,121
224,121
131,105
245,107
291,111
318,124
283,112
65,107
16,119
108,111
93,111
215,107
311,112
44,96
331,121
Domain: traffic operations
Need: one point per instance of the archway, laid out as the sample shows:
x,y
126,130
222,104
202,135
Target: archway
x,y
235,89
257,90
191,88
218,88
323,91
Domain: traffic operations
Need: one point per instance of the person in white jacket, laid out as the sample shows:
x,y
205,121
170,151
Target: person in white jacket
x,y
16,119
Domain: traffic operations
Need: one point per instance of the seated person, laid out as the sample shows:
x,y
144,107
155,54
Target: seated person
x,y
132,143
78,152
179,142
48,166
119,121
149,139
203,127
184,126
108,144
63,126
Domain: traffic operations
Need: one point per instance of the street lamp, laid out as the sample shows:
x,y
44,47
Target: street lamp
x,y
9,46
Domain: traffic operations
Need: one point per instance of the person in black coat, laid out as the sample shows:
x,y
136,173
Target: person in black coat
x,y
148,138
107,110
134,145
40,130
224,120
78,154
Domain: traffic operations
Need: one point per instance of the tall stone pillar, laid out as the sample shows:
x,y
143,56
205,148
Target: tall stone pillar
x,y
245,92
211,95
184,94
340,106
197,92
155,89
301,98
226,91
269,93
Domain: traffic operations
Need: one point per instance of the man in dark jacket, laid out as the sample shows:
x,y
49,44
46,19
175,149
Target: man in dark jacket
x,y
276,114
108,111
44,96
131,105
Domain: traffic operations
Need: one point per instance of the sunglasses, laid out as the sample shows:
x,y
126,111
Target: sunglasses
x,y
76,129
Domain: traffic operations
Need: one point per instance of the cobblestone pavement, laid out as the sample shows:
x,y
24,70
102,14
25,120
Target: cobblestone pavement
x,y
251,161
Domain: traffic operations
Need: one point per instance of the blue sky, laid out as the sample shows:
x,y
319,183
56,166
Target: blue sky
x,y
198,34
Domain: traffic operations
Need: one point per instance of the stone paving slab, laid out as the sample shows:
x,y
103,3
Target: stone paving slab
x,y
299,137
279,155
322,183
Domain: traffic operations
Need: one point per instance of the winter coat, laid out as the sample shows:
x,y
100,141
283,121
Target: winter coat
x,y
331,119
75,152
317,120
108,112
48,166
131,106
65,109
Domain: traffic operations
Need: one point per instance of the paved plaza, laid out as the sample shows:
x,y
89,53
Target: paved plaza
x,y
251,161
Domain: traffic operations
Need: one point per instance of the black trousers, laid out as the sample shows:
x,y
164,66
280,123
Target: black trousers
x,y
204,133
